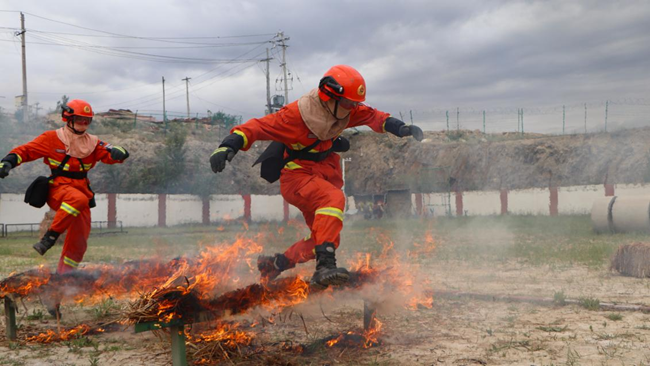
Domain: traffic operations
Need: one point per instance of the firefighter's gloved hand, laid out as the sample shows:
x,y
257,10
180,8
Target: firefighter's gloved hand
x,y
340,144
219,157
119,153
411,130
5,167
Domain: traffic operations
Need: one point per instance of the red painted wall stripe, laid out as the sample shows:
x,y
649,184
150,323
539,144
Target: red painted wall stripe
x,y
459,203
162,210
112,210
285,208
247,207
504,201
553,208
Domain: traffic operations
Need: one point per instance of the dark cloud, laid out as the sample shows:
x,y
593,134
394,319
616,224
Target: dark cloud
x,y
414,54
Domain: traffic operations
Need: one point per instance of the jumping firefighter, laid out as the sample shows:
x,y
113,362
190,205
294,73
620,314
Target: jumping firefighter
x,y
70,153
306,137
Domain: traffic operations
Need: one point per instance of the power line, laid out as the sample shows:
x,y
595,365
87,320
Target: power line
x,y
158,39
134,55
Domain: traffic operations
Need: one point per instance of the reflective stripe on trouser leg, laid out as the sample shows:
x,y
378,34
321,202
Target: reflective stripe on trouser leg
x,y
328,223
76,242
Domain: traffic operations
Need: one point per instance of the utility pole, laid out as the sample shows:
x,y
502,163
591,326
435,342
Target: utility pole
x,y
164,110
457,119
447,113
563,118
284,65
268,83
585,117
187,94
22,38
606,111
37,108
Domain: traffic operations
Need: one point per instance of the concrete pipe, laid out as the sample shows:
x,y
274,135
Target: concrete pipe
x,y
621,214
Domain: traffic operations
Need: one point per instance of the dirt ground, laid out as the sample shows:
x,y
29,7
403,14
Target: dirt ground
x,y
453,332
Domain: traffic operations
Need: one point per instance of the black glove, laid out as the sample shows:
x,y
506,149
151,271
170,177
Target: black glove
x,y
340,144
5,167
119,153
219,157
411,130
226,151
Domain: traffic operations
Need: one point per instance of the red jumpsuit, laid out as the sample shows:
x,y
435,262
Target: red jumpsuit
x,y
313,187
68,197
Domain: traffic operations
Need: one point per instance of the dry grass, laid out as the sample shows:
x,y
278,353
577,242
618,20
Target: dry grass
x,y
632,260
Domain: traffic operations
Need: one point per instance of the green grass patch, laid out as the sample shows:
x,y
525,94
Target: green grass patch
x,y
589,303
614,317
536,240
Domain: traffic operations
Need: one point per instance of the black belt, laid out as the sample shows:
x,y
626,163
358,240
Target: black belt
x,y
305,155
71,175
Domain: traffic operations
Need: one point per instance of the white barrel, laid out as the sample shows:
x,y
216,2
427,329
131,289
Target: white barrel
x,y
601,218
621,214
631,214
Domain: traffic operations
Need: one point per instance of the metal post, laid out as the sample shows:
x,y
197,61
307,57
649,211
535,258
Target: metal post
x,y
164,109
369,312
563,118
585,117
268,83
187,94
10,318
447,112
606,110
284,66
522,121
22,39
458,119
179,353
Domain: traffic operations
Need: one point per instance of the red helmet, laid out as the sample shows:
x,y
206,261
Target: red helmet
x,y
76,107
342,81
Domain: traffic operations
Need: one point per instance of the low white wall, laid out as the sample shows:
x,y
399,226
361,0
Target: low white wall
x,y
578,199
142,209
529,202
137,209
226,207
100,212
480,203
184,209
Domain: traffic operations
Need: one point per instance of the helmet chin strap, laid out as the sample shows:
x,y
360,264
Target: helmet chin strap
x,y
336,109
71,126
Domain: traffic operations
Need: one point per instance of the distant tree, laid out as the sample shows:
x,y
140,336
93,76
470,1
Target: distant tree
x,y
225,120
63,101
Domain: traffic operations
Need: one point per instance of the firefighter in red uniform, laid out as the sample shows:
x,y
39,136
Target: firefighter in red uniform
x,y
69,152
307,133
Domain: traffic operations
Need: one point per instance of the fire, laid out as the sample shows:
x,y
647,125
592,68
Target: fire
x,y
424,249
421,301
222,342
64,335
366,339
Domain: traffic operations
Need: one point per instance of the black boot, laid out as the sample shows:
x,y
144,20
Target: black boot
x,y
47,242
326,271
271,266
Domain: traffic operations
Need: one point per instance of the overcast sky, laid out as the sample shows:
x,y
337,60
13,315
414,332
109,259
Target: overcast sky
x,y
414,55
